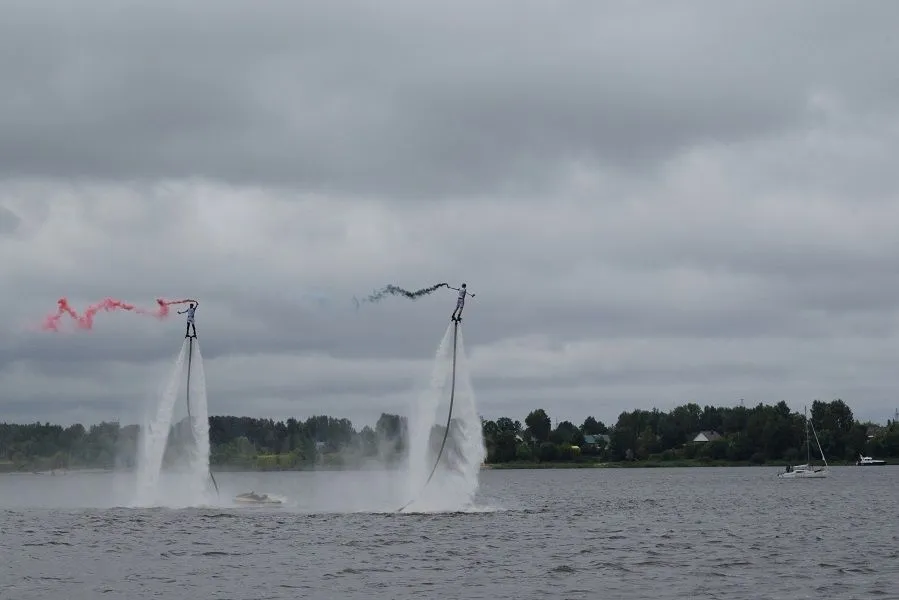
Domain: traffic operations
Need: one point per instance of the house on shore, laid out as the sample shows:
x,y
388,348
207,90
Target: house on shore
x,y
707,436
592,441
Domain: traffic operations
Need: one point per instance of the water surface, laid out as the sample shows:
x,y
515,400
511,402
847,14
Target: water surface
x,y
736,533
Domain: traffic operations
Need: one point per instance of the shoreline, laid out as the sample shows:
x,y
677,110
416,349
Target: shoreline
x,y
647,464
510,466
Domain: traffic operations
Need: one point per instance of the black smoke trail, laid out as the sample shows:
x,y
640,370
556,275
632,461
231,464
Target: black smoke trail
x,y
392,290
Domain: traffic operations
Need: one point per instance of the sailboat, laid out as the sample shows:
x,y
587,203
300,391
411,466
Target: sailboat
x,y
807,471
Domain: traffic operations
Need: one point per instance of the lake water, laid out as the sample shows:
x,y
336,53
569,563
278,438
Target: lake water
x,y
592,533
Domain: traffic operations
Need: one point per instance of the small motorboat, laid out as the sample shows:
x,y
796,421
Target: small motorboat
x,y
867,461
254,498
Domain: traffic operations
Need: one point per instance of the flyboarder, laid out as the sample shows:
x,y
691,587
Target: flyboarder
x,y
460,303
190,310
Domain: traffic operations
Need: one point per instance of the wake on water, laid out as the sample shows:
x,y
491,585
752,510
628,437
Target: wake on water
x,y
182,446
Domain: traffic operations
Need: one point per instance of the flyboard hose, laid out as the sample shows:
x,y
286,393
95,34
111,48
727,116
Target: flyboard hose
x,y
449,418
190,355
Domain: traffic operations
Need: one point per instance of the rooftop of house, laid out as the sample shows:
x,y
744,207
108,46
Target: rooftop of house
x,y
595,439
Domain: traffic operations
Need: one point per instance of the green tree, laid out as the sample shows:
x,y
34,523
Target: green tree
x,y
501,438
524,452
508,425
539,425
593,427
548,452
566,432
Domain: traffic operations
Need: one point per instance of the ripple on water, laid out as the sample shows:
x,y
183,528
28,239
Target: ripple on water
x,y
660,534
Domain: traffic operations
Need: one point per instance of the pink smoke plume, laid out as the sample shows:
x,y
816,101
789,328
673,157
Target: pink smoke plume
x,y
86,320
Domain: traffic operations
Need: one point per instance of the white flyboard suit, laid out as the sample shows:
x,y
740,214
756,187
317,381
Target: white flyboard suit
x,y
190,310
460,302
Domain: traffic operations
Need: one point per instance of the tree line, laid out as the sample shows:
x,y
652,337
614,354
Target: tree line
x,y
235,443
759,435
756,435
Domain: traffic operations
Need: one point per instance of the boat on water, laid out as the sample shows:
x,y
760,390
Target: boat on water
x,y
807,471
254,498
867,461
804,472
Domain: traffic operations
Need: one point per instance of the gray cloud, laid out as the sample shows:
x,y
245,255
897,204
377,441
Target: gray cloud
x,y
9,221
406,99
653,205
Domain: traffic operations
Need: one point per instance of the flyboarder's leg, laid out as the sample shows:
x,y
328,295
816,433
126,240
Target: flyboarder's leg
x,y
187,331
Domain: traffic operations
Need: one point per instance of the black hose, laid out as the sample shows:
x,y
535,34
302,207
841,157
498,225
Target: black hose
x,y
449,417
214,483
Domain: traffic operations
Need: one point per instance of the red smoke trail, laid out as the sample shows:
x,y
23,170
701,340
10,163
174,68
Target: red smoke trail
x,y
86,320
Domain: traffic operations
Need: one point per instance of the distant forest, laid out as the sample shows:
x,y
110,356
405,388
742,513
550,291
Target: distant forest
x,y
763,434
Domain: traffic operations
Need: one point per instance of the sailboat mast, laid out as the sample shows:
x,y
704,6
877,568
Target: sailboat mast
x,y
808,441
820,449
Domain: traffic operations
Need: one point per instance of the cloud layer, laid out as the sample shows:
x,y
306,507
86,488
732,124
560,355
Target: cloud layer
x,y
653,205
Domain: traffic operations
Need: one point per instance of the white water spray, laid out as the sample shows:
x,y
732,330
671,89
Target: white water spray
x,y
154,435
462,479
423,415
199,450
185,451
455,481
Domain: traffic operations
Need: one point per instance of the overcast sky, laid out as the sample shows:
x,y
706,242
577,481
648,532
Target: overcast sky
x,y
655,203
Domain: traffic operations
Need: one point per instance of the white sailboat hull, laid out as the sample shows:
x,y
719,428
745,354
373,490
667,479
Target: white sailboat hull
x,y
804,474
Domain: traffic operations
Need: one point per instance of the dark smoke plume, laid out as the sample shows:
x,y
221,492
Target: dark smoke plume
x,y
392,290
